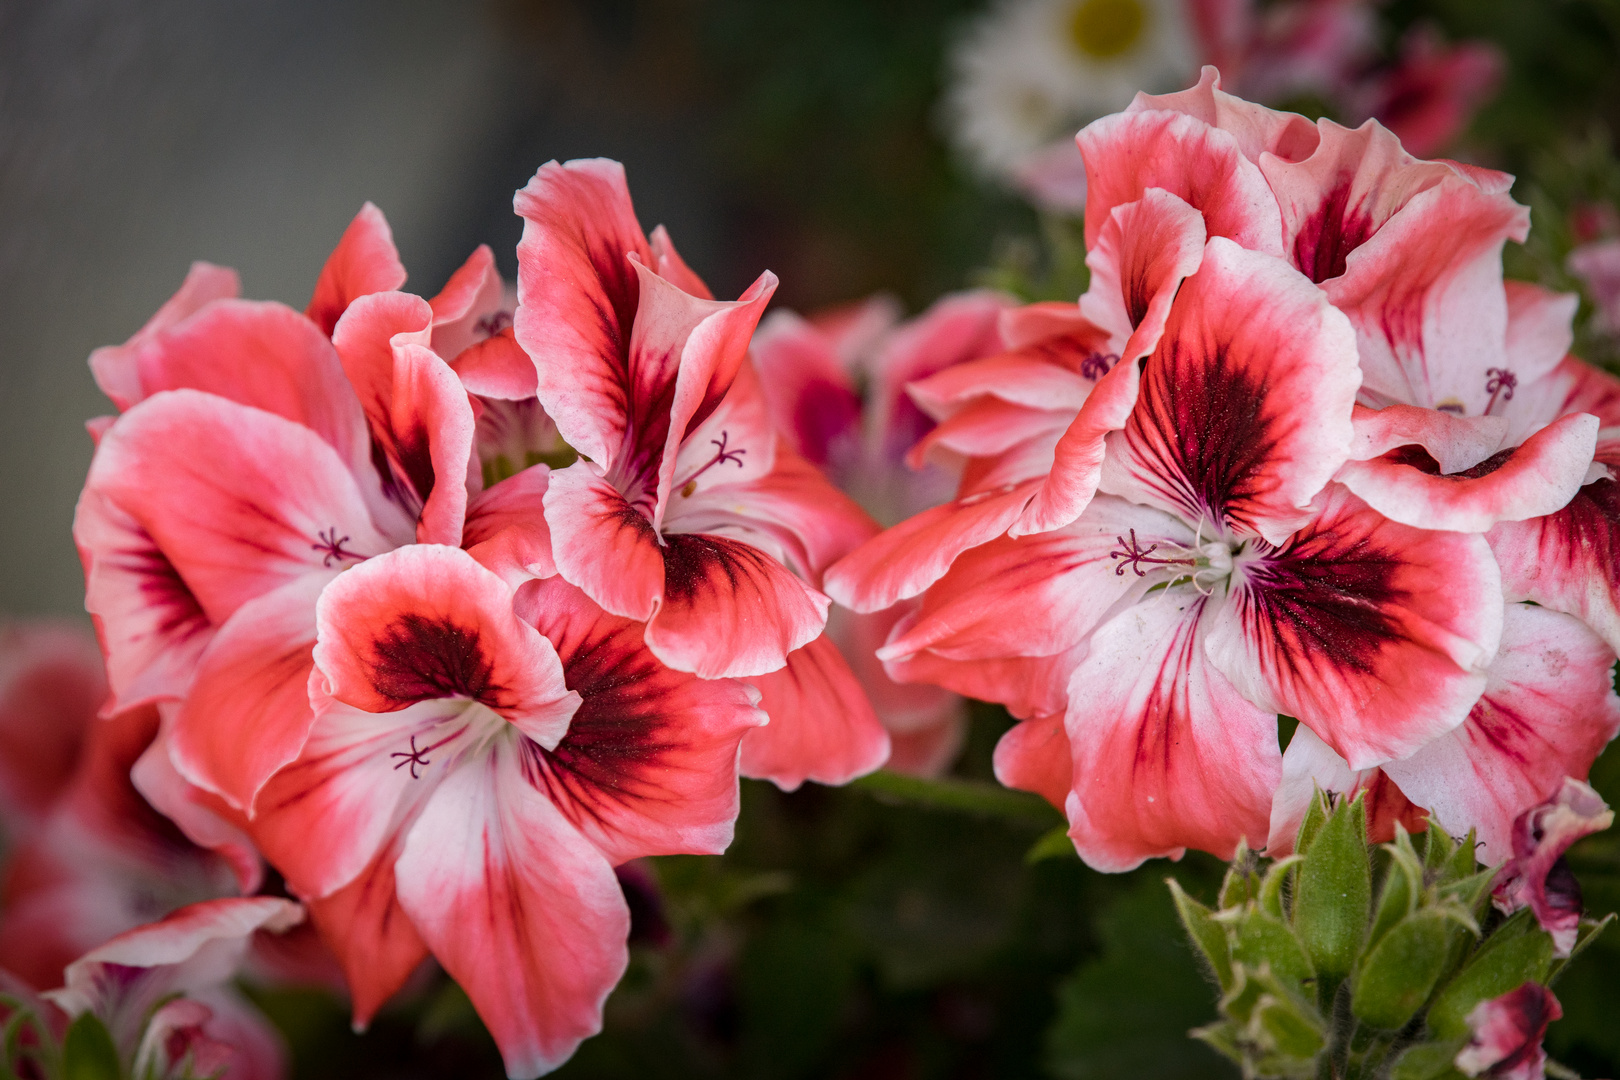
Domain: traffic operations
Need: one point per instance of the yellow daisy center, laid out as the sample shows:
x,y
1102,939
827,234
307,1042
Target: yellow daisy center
x,y
1104,29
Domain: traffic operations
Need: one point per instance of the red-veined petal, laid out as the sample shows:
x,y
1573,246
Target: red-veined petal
x,y
822,727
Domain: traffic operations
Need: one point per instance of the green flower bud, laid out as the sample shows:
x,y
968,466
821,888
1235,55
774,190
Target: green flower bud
x,y
1333,889
1400,971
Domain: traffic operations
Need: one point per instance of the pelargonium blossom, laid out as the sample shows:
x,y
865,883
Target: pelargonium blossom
x,y
475,772
685,511
1537,876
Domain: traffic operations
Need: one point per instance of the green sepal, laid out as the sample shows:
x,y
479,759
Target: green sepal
x,y
1429,1061
1206,933
1438,846
1463,862
1472,892
1271,886
1518,952
1223,1037
1271,1030
1590,931
1400,971
88,1052
1333,889
1242,883
1403,883
1316,815
1261,938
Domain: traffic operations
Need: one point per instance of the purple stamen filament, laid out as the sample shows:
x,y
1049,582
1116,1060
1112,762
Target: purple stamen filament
x,y
721,455
1499,382
414,758
1134,555
332,544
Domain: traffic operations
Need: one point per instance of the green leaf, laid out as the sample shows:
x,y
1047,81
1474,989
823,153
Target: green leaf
x,y
1429,1061
1241,883
1518,952
1262,938
1053,844
1316,815
1333,890
88,1052
1206,933
1403,881
1463,861
1399,972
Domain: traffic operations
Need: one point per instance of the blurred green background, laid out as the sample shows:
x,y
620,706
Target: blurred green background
x,y
848,933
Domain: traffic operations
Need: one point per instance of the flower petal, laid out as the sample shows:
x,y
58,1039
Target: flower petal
x,y
364,261
1569,560
602,544
471,308
822,727
1537,874
1257,129
1506,1034
577,298
1375,635
1167,754
1144,252
1548,710
506,528
248,712
809,393
521,910
1034,755
1028,686
51,685
370,934
117,367
649,764
427,622
1309,765
1244,411
729,610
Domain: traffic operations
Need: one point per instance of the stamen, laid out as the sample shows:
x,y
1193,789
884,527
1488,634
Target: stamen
x,y
1096,365
332,544
687,486
414,758
1499,382
1134,555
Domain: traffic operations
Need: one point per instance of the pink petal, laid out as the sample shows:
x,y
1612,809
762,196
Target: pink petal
x,y
1537,875
520,909
365,261
116,367
239,501
1143,253
649,764
1515,484
1548,710
729,610
470,309
1425,296
928,750
1507,1034
1597,264
506,528
365,926
1167,754
151,626
810,395
1431,94
248,712
497,367
1129,152
1034,755
1374,634
418,410
1540,330
205,819
1257,129
428,622
1454,442
51,685
577,297
1569,560
1309,765
1029,378
602,544
1244,412
822,727
926,724
1027,685
668,264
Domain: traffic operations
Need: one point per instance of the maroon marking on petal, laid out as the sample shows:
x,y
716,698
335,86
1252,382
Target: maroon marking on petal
x,y
1324,243
1138,291
493,323
418,657
394,487
691,558
416,459
164,590
1200,424
1416,457
825,413
1324,598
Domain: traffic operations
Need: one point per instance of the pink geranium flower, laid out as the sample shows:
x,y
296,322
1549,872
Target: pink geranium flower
x,y
1505,1042
474,774
1537,876
686,512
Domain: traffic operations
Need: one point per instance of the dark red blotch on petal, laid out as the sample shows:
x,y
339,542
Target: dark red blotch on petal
x,y
419,657
1324,243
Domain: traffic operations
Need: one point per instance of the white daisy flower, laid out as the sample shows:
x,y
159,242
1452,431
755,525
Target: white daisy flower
x,y
1028,72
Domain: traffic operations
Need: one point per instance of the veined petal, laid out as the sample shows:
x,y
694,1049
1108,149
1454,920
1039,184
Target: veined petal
x,y
822,726
1374,634
577,298
239,501
1244,411
506,528
1454,442
205,818
729,610
117,367
649,764
471,308
1034,755
1548,710
364,261
1129,152
810,395
1574,386
602,544
1537,875
1540,330
1515,484
1143,253
1167,754
1569,560
1024,378
370,934
1310,764
427,622
247,714
522,911
1257,129
1028,686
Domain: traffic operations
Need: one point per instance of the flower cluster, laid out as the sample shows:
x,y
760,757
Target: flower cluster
x,y
447,609
1299,451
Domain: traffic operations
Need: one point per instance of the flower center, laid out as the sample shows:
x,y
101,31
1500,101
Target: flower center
x,y
1103,29
1202,565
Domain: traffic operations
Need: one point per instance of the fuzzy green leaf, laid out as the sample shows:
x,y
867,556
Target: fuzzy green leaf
x,y
1333,890
1399,972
